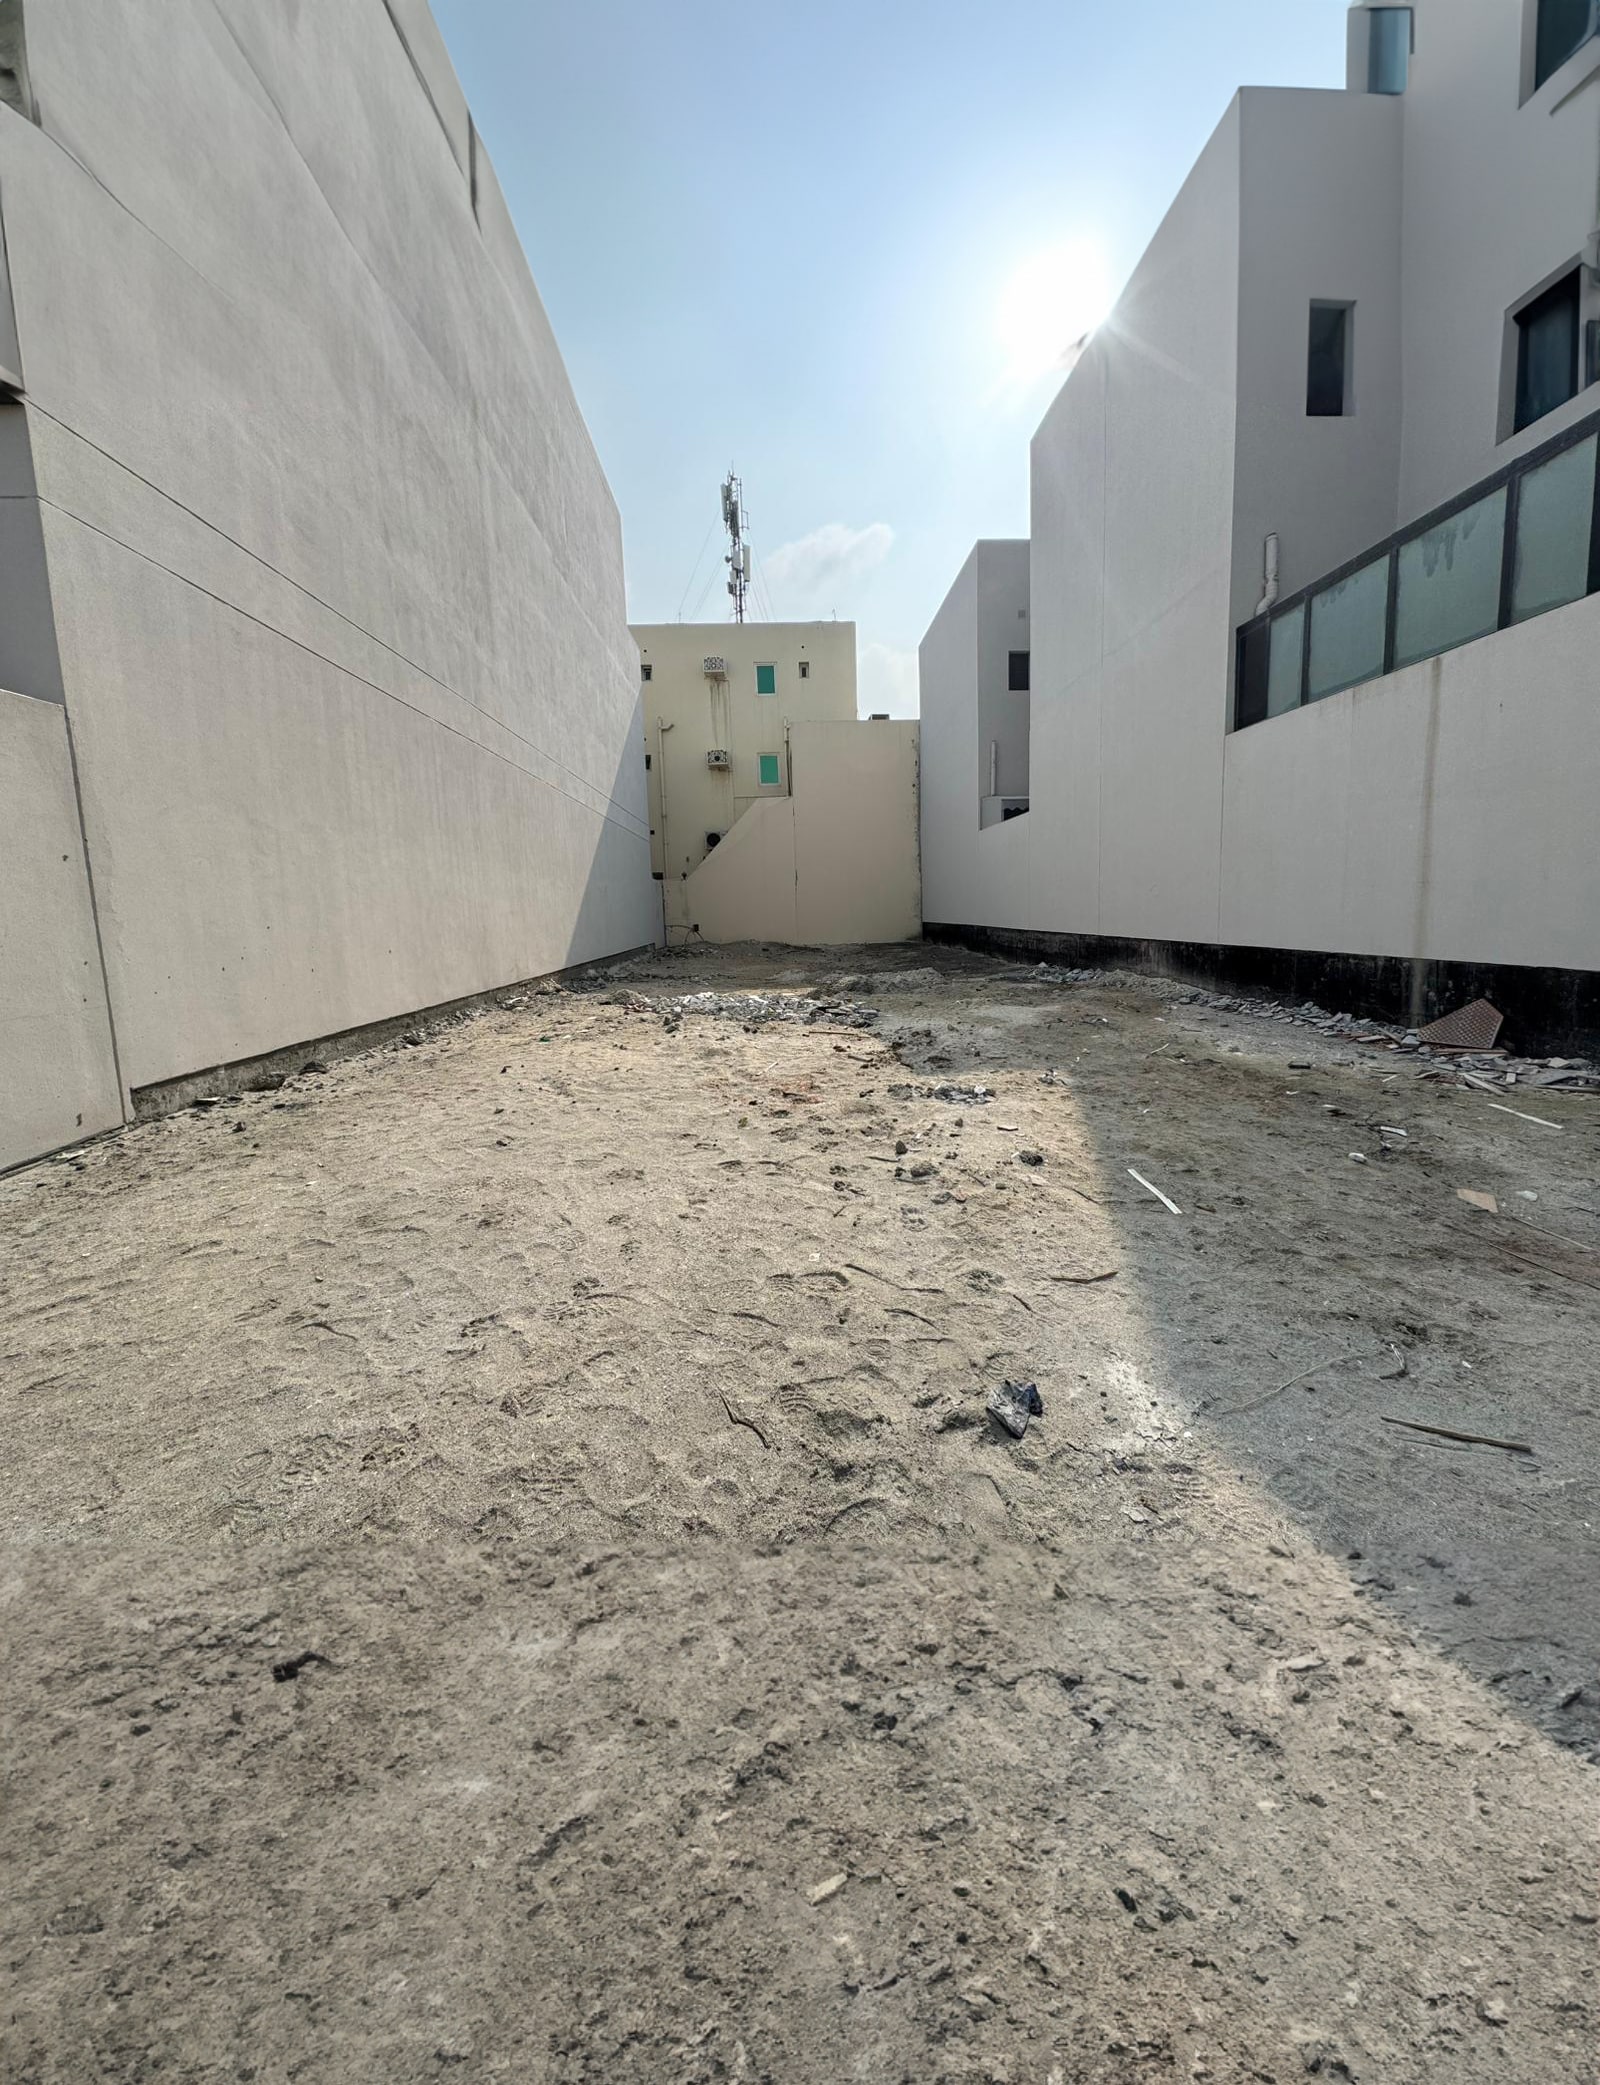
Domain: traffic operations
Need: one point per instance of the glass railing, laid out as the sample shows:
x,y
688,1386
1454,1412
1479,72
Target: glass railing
x,y
1521,543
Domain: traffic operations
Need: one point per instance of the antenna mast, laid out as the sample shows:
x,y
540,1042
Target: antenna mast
x,y
738,557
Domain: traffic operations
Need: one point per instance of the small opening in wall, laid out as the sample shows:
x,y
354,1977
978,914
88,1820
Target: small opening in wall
x,y
1017,664
647,672
1328,362
713,840
805,669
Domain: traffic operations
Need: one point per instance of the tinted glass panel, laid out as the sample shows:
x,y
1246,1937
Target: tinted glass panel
x,y
1555,518
766,680
1287,662
1563,25
1328,360
1547,352
1348,629
1017,672
1250,691
1450,582
1389,53
769,770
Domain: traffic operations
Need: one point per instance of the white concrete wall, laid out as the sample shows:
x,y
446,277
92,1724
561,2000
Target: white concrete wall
x,y
1446,812
961,670
58,1077
835,864
1320,174
1003,627
336,574
1130,590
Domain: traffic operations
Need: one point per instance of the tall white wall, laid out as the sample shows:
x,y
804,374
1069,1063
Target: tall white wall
x,y
336,575
1320,178
1132,569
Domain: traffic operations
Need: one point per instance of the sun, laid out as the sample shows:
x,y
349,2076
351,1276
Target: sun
x,y
1053,300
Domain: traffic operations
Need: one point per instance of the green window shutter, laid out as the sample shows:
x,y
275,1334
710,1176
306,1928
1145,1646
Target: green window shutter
x,y
766,680
769,770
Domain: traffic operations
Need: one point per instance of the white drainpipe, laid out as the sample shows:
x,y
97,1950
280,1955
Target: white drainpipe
x,y
1271,593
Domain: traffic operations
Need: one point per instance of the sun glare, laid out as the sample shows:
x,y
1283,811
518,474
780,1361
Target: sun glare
x,y
1054,299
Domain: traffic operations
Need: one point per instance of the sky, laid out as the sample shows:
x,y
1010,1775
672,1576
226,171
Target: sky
x,y
842,247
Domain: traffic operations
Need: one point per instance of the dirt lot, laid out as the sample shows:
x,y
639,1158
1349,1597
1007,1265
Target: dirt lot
x,y
507,1574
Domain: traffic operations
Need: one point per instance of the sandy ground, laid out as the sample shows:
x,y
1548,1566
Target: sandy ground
x,y
506,1573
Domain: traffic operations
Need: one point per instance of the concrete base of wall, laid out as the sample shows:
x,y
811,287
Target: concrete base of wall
x,y
1547,1011
260,1074
265,1073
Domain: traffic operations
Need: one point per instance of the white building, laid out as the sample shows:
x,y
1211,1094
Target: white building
x,y
774,814
1351,377
317,700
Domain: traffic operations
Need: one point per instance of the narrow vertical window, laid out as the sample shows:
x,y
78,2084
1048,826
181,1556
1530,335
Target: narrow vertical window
x,y
1564,27
768,765
1328,362
1390,30
805,669
1017,672
1547,351
766,680
646,671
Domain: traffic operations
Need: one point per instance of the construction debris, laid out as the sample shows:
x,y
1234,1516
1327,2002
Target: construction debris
x,y
1149,1188
1013,1405
1479,1198
1474,1027
759,1009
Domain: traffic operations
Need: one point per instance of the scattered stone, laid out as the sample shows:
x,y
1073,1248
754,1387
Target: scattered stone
x,y
1030,1158
822,1891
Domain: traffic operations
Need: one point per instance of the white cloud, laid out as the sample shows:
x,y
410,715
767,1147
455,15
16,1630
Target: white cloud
x,y
820,569
886,679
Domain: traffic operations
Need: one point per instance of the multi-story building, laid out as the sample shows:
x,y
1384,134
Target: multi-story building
x,y
774,814
1313,555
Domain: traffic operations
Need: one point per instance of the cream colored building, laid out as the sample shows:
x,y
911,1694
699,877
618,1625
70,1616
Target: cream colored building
x,y
774,814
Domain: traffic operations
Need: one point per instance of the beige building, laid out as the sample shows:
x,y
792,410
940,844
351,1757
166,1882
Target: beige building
x,y
774,814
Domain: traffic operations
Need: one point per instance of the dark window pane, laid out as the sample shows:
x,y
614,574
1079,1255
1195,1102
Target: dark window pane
x,y
1327,365
1389,52
1017,672
1563,26
1250,696
1547,352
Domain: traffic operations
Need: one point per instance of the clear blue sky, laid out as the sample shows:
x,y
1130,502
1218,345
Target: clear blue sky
x,y
788,235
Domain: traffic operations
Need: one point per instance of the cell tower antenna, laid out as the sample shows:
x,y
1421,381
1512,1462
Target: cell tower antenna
x,y
738,557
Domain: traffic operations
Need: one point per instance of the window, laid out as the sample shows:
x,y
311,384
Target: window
x,y
1328,362
1555,525
1017,672
1349,631
767,770
647,763
1547,351
1391,32
646,671
805,669
766,680
1450,582
1564,27
1286,667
